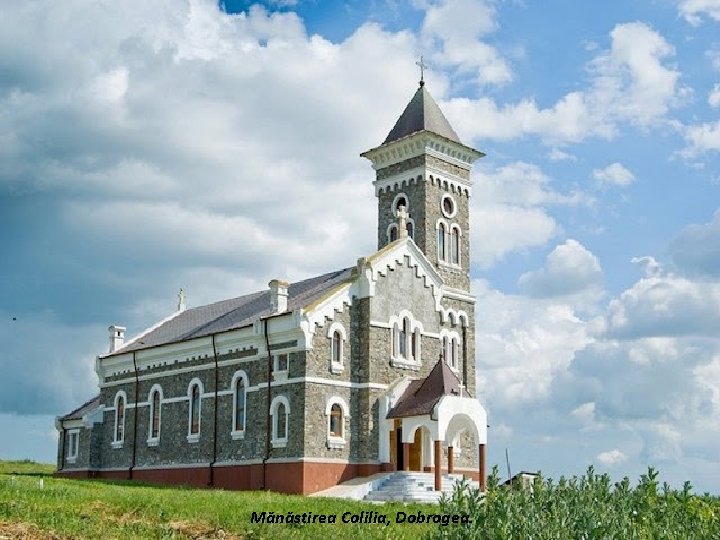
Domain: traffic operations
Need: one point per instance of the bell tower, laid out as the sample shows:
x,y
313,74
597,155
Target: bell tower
x,y
424,167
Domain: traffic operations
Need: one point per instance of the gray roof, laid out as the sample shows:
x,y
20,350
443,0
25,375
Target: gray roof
x,y
234,313
87,407
422,113
421,395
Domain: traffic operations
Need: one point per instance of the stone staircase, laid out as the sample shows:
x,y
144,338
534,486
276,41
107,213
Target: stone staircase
x,y
414,486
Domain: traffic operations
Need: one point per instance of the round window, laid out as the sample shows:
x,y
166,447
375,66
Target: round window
x,y
448,206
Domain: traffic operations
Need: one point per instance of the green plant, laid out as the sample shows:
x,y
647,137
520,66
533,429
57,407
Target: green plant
x,y
585,507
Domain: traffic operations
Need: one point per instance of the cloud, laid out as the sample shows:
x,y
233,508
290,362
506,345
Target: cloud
x,y
693,11
714,96
611,457
631,83
453,28
570,269
511,200
701,138
47,366
558,155
163,145
665,305
696,250
614,174
522,344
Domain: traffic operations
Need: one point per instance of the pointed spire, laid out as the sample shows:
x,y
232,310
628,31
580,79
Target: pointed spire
x,y
422,113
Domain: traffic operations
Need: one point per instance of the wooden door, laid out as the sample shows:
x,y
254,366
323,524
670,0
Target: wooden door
x,y
416,452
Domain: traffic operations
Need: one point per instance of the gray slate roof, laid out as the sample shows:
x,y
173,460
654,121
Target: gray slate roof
x,y
421,395
87,407
234,313
422,113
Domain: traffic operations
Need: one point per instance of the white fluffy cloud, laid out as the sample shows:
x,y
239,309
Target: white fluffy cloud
x,y
693,11
611,457
522,344
696,250
615,174
512,201
714,96
456,27
632,82
569,270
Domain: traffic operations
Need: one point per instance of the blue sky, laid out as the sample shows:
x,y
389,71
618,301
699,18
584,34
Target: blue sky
x,y
146,147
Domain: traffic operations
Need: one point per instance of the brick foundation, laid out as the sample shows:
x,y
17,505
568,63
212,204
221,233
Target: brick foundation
x,y
295,477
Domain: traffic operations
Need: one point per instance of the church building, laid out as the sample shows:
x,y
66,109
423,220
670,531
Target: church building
x,y
302,386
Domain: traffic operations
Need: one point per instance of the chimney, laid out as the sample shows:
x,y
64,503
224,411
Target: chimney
x,y
278,295
117,337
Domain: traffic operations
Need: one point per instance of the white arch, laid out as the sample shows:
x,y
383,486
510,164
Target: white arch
x,y
340,401
279,440
395,201
337,325
455,413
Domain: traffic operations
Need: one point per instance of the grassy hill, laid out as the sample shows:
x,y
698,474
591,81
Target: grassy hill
x,y
35,505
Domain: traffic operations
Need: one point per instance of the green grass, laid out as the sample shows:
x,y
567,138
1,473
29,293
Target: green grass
x,y
102,509
586,507
26,467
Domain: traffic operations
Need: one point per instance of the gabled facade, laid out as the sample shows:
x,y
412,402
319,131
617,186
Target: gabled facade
x,y
306,385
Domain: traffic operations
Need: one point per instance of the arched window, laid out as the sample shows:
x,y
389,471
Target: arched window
x,y
402,339
409,228
393,234
336,411
455,246
441,241
119,418
154,434
337,356
336,421
401,200
239,413
194,412
446,349
336,334
280,410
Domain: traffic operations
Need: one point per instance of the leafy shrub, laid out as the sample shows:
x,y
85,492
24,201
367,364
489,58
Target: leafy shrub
x,y
585,507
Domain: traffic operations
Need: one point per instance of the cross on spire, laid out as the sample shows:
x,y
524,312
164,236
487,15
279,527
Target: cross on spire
x,y
422,65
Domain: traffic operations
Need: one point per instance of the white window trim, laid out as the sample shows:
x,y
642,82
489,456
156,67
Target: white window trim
x,y
235,433
337,367
334,442
194,437
280,442
395,201
118,443
389,229
280,375
154,441
442,257
452,214
453,338
74,449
